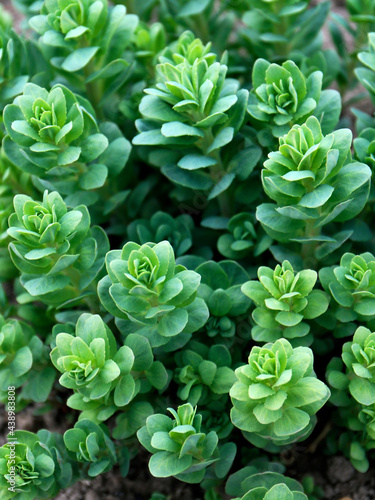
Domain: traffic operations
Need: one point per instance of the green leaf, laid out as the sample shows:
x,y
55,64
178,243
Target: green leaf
x,y
94,177
165,464
125,391
194,162
178,129
173,323
362,391
292,421
78,59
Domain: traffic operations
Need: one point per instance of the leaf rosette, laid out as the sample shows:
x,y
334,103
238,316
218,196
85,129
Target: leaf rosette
x,y
284,300
204,374
220,288
352,285
57,253
282,95
55,137
313,182
24,361
145,285
92,365
277,394
178,445
90,443
193,112
34,468
247,485
242,239
359,358
162,226
85,40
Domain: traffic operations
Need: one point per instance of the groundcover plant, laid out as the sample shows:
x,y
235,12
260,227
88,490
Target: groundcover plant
x,y
187,267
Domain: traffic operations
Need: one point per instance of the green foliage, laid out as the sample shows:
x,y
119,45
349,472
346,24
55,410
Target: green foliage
x,y
55,137
90,443
242,238
145,285
277,394
102,376
313,182
24,361
220,288
57,253
194,111
353,392
352,285
87,40
163,226
279,28
282,96
178,446
204,373
284,299
37,469
114,303
246,485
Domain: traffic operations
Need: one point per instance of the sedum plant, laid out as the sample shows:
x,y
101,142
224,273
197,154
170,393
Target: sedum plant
x,y
140,144
278,29
37,469
352,286
178,446
247,485
282,96
54,248
100,373
195,111
313,182
284,299
54,137
144,285
87,40
24,361
204,374
277,394
220,288
242,239
91,444
162,226
353,392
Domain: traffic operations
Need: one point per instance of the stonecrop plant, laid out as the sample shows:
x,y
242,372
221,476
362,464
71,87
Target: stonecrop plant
x,y
187,257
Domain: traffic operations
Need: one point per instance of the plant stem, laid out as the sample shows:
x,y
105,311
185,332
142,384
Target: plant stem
x,y
308,248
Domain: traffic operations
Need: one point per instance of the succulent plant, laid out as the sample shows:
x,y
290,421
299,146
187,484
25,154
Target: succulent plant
x,y
162,226
24,361
247,485
277,394
30,469
203,373
313,182
193,111
220,288
284,299
178,446
145,285
90,443
57,253
352,284
282,96
242,238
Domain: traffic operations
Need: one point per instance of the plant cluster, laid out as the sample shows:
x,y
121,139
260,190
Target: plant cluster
x,y
186,244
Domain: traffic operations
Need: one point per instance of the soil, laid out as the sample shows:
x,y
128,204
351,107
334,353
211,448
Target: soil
x,y
334,474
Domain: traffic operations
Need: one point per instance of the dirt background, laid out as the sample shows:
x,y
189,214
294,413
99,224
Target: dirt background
x,y
335,475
